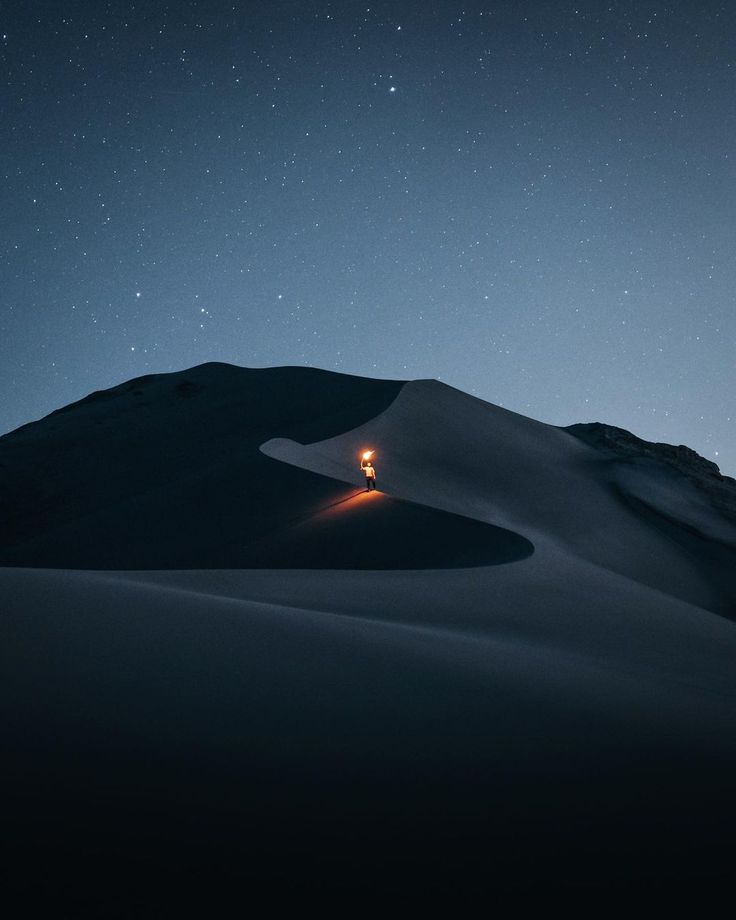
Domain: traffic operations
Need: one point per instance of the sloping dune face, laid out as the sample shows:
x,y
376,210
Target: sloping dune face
x,y
165,472
442,448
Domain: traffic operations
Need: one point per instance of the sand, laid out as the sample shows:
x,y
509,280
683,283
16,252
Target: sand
x,y
498,677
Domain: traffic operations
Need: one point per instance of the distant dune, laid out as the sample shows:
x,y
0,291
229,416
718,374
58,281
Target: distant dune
x,y
230,671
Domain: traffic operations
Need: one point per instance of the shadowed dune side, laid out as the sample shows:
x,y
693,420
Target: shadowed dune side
x,y
374,531
165,472
278,517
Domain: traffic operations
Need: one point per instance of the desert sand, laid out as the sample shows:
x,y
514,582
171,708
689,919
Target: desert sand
x,y
229,670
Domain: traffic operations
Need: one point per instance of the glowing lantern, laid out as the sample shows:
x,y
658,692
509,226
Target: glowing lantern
x,y
368,454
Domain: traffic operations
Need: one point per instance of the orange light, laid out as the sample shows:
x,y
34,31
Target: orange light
x,y
368,454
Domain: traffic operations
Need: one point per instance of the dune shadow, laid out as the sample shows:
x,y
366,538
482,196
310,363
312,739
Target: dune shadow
x,y
282,517
375,531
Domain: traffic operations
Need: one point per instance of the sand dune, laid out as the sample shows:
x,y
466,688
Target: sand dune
x,y
508,673
444,449
166,473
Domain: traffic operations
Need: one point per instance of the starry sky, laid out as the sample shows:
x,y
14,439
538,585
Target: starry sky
x,y
531,201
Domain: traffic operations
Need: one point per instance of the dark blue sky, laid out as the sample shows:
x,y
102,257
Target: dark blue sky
x,y
534,202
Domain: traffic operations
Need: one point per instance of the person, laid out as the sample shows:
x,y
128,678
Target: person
x,y
370,475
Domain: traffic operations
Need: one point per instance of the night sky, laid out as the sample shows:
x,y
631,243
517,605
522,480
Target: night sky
x,y
531,201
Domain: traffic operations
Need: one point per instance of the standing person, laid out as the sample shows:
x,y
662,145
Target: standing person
x,y
370,475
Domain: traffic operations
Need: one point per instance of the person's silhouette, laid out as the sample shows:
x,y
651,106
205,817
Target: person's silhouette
x,y
370,475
